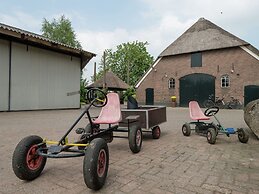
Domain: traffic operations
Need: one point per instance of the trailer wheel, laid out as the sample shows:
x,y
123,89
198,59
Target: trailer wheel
x,y
96,164
211,135
26,163
186,129
156,132
242,135
135,138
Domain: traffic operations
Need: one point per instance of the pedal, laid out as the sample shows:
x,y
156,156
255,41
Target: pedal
x,y
230,131
80,130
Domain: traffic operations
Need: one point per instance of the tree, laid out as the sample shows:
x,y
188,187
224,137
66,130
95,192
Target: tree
x,y
129,62
101,65
61,31
83,84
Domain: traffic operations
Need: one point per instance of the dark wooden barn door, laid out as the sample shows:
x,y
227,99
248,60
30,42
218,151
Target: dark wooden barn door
x,y
150,96
196,87
251,93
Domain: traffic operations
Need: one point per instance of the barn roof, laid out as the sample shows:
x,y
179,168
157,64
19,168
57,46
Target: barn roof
x,y
201,36
113,82
26,37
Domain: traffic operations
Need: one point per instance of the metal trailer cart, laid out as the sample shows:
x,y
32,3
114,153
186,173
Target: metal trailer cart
x,y
147,117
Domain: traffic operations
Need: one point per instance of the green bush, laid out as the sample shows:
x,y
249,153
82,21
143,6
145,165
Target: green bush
x,y
129,92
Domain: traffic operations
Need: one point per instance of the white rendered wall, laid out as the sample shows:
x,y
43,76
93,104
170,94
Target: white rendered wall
x,y
43,79
4,74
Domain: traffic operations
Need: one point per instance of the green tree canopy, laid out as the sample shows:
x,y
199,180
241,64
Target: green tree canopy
x,y
129,61
61,31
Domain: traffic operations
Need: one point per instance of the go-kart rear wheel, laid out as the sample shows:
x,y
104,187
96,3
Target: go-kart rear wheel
x,y
242,135
186,129
135,138
96,164
27,164
211,135
156,132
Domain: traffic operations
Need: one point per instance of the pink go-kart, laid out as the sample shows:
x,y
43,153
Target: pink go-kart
x,y
31,153
210,129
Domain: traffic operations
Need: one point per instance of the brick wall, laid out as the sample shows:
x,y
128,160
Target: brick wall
x,y
216,63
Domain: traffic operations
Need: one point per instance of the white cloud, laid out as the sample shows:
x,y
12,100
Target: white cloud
x,y
97,42
158,37
238,17
164,21
21,20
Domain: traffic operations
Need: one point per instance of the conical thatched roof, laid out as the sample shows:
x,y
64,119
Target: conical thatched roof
x,y
201,36
113,82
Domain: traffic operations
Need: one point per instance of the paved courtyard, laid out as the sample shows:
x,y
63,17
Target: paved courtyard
x,y
172,164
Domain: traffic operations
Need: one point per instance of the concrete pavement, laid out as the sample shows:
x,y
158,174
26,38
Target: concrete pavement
x,y
172,164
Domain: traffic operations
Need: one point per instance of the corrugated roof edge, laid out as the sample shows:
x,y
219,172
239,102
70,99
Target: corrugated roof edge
x,y
40,37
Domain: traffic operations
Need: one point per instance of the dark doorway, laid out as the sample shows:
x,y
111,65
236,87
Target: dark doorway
x,y
251,93
149,96
197,86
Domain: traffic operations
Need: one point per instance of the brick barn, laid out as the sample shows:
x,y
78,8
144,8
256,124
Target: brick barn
x,y
204,60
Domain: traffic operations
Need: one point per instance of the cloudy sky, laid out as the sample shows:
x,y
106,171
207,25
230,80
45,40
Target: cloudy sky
x,y
101,25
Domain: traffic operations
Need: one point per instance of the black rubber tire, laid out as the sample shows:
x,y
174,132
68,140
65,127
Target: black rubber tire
x,y
156,132
135,138
93,162
21,162
242,135
216,128
186,129
211,135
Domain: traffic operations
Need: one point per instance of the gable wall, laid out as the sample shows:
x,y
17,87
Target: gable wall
x,y
215,62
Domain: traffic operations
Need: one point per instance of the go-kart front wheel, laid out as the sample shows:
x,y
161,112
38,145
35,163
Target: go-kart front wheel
x,y
27,164
135,138
242,135
96,164
211,135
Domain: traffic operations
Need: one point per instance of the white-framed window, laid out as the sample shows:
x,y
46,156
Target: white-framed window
x,y
225,81
171,83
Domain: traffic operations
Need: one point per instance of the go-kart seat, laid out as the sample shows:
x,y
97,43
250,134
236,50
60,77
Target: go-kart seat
x,y
111,112
196,112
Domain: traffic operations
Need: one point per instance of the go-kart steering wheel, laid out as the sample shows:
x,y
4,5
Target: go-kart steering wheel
x,y
97,97
211,111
